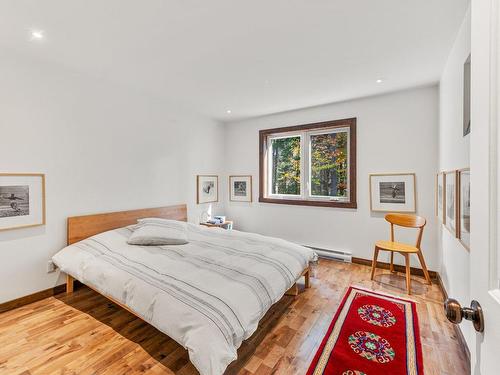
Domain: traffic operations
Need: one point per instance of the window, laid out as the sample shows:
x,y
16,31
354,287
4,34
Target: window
x,y
312,164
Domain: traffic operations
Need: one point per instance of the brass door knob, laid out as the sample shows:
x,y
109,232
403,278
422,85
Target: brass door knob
x,y
456,313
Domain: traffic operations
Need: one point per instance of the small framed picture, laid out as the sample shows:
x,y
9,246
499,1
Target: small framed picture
x,y
22,200
207,189
463,230
440,197
394,192
450,191
240,188
467,96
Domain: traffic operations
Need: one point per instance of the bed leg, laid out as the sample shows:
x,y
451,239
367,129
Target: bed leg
x,y
70,283
307,280
293,291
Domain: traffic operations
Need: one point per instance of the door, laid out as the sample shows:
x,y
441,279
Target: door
x,y
485,186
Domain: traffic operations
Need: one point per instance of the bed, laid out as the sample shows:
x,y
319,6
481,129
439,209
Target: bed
x,y
209,294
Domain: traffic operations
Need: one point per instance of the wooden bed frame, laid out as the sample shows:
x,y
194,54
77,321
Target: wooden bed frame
x,y
82,227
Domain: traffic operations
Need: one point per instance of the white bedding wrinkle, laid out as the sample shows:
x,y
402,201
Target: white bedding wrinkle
x,y
209,294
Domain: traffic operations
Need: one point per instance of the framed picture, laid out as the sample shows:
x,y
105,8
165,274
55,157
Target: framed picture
x,y
394,192
450,191
22,200
463,230
207,189
240,188
467,101
440,197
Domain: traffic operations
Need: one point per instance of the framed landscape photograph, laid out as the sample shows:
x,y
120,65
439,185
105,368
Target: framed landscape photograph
x,y
22,200
440,197
450,191
240,188
207,189
394,192
463,231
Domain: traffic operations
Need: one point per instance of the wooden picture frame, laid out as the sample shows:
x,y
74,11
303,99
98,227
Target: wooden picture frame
x,y
403,192
246,182
22,200
207,189
463,207
450,201
440,206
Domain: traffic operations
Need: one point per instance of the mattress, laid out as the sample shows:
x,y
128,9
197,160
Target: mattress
x,y
208,295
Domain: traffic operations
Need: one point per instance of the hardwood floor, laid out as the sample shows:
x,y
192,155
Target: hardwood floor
x,y
85,334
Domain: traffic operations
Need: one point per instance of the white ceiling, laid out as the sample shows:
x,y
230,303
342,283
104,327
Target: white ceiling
x,y
253,57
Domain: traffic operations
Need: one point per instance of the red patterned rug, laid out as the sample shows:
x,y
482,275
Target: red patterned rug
x,y
371,334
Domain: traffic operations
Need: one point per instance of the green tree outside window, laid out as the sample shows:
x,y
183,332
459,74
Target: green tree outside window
x,y
329,164
286,166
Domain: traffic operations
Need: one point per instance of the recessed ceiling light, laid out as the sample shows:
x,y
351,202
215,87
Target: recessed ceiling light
x,y
228,111
36,35
379,81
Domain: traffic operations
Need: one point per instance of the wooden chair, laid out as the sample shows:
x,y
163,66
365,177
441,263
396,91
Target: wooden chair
x,y
408,221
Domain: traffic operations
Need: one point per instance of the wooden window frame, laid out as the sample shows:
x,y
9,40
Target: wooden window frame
x,y
263,140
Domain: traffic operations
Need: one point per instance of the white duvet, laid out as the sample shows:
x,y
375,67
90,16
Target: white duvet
x,y
208,295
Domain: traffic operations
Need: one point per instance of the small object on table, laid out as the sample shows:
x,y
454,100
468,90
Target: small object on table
x,y
225,225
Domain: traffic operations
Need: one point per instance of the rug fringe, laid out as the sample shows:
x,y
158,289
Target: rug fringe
x,y
356,286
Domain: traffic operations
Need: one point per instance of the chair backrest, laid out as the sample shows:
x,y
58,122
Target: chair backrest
x,y
407,221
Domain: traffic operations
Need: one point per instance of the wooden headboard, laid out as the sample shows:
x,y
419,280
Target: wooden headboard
x,y
81,227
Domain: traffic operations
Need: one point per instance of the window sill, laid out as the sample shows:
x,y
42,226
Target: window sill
x,y
316,203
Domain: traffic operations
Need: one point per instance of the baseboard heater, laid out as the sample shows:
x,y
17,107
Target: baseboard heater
x,y
342,256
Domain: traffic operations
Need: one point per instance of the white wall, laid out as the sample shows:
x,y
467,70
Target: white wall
x,y
454,154
395,133
102,148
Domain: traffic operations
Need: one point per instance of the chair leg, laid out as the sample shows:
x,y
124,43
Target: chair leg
x,y
408,285
374,263
424,267
391,268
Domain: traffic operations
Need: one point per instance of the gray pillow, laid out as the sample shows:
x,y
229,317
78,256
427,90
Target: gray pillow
x,y
158,232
